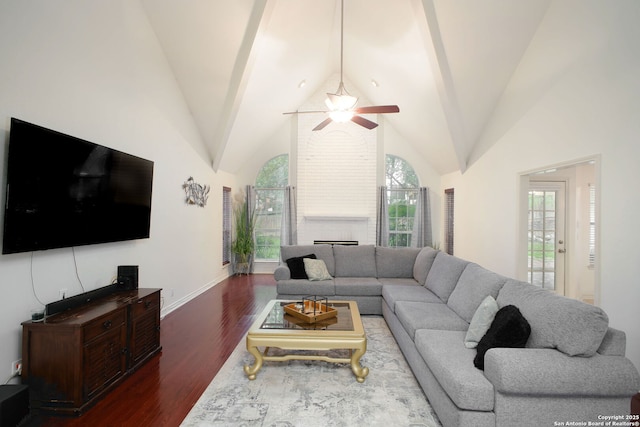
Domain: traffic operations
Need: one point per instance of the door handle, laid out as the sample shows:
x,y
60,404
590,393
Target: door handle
x,y
561,251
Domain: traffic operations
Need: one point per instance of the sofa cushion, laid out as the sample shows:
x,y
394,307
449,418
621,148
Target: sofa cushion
x,y
444,274
306,287
355,261
481,322
452,365
361,286
395,262
424,315
323,252
394,293
404,281
571,326
296,266
316,269
474,285
509,329
423,263
548,373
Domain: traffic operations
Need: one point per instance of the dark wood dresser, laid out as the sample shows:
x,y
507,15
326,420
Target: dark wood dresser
x,y
72,359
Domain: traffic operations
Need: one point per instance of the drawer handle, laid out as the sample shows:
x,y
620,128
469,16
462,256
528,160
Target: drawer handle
x,y
147,304
107,324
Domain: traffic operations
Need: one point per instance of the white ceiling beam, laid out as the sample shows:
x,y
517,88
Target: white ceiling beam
x,y
240,76
430,30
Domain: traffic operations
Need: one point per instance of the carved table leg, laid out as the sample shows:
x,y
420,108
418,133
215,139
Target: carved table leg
x,y
252,370
357,369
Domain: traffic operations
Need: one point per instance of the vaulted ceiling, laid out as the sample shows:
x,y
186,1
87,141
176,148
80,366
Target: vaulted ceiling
x,y
445,63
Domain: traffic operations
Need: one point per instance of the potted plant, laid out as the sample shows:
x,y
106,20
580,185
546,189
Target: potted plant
x,y
243,244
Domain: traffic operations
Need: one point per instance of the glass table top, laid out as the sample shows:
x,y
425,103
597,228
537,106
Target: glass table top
x,y
277,318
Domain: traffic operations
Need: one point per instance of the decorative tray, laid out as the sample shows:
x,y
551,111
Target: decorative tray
x,y
310,311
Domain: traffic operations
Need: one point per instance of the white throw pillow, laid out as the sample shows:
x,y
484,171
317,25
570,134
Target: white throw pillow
x,y
481,321
316,269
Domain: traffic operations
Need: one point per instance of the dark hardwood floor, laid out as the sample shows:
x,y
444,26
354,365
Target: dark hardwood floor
x,y
196,340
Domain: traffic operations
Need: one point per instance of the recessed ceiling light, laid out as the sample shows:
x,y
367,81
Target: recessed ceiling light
x,y
302,84
374,83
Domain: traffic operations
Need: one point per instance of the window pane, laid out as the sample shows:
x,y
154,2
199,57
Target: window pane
x,y
402,185
449,207
226,225
270,184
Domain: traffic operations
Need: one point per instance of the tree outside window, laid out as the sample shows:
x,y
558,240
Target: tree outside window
x,y
402,195
270,184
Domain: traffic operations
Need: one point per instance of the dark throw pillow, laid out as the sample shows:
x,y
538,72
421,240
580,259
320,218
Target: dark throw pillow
x,y
296,266
509,329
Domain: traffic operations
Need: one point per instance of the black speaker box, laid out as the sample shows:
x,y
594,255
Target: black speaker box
x,y
128,277
14,404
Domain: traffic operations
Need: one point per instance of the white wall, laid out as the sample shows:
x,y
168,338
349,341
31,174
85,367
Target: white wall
x,y
94,70
576,95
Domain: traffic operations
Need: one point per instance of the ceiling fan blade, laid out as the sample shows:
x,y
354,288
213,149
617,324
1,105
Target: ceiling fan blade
x,y
364,122
306,112
377,109
323,124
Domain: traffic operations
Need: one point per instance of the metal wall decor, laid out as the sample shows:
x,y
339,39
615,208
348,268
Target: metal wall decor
x,y
196,194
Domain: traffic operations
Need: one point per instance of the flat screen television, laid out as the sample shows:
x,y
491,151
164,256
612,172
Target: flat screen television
x,y
63,191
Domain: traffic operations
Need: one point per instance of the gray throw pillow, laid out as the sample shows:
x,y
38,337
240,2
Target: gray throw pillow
x,y
316,269
481,322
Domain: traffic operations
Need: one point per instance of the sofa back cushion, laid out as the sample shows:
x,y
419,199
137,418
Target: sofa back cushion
x,y
444,274
323,252
571,326
395,262
423,264
474,285
355,261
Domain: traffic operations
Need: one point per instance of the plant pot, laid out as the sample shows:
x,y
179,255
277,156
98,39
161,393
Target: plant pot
x,y
242,264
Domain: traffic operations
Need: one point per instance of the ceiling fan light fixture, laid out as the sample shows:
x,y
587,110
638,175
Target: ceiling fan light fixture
x,y
340,102
341,106
341,116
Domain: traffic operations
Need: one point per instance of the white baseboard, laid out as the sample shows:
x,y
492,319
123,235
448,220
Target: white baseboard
x,y
185,299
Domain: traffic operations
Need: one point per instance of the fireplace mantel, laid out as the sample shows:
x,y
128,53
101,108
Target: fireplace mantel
x,y
336,218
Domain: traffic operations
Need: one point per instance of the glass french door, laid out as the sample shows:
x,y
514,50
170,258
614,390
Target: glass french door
x,y
546,235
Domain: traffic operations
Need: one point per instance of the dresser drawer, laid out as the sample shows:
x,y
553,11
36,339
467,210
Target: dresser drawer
x,y
106,323
146,304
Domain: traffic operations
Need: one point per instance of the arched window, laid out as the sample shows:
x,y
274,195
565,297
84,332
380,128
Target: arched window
x,y
402,195
270,184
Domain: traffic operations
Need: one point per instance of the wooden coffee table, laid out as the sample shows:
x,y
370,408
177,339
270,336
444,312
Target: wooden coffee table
x,y
275,328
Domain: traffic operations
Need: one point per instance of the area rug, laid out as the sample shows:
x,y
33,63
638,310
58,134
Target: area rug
x,y
317,393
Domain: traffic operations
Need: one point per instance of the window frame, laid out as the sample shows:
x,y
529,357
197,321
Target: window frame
x,y
275,191
402,190
449,210
227,215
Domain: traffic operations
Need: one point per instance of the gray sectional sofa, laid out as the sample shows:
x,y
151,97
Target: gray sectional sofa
x,y
572,369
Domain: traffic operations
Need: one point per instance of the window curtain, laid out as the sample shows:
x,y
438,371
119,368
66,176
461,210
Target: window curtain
x,y
251,201
289,226
382,232
422,235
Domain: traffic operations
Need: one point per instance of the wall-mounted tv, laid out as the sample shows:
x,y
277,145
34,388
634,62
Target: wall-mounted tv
x,y
63,191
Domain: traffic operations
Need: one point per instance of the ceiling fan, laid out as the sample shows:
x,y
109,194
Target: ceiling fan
x,y
341,105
